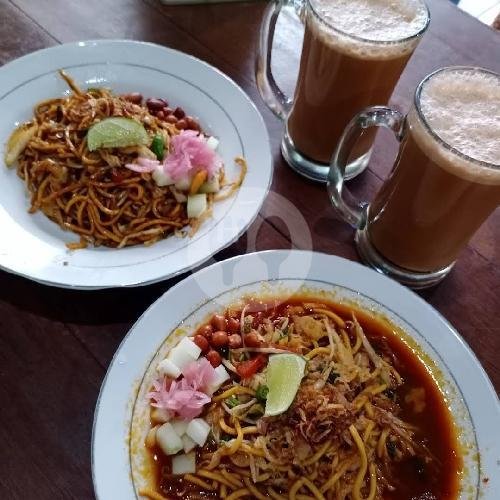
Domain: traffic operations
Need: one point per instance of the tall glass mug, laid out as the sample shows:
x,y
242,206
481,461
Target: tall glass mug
x,y
445,181
352,56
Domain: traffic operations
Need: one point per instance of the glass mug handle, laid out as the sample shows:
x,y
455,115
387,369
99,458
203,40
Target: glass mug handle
x,y
272,95
353,211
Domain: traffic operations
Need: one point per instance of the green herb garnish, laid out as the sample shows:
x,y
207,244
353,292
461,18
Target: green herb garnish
x,y
232,401
261,393
158,147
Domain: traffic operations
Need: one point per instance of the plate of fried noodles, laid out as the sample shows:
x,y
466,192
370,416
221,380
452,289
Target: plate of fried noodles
x,y
123,163
294,375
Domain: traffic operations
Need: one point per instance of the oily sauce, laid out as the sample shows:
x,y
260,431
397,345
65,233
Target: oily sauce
x,y
413,478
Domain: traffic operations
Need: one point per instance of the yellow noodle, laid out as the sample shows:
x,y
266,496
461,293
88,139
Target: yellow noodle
x,y
334,478
295,488
330,314
317,494
231,430
358,483
381,443
234,446
316,351
196,480
275,495
232,478
318,454
215,476
255,492
345,339
238,389
368,430
239,494
373,482
253,451
64,178
358,343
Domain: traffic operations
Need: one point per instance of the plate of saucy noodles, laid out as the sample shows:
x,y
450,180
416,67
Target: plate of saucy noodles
x,y
123,163
294,375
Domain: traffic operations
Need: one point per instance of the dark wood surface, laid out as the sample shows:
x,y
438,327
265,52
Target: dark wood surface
x,y
55,345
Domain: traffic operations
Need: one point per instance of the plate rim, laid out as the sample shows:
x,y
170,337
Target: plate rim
x,y
486,383
193,266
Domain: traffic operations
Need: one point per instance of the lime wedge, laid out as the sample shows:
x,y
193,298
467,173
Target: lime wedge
x,y
117,132
284,373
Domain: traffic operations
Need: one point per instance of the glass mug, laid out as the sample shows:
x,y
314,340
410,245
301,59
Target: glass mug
x,y
352,56
445,181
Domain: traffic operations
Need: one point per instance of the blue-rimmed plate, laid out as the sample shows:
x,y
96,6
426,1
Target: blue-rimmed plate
x,y
118,434
33,246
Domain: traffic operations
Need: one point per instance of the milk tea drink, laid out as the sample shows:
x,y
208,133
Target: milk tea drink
x,y
446,180
353,54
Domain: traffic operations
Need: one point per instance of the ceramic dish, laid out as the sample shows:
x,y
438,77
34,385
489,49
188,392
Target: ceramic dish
x,y
33,246
463,382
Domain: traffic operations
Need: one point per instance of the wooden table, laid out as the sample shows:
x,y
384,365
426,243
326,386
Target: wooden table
x,y
55,345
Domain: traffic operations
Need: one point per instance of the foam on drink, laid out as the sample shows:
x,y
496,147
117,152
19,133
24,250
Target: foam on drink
x,y
462,107
371,22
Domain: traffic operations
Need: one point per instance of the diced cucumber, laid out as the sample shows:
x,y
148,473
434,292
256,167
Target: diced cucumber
x,y
168,440
221,376
179,426
183,184
188,443
198,431
168,368
196,205
184,464
184,353
161,177
187,344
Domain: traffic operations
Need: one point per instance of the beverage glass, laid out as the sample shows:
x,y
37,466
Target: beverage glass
x,y
352,56
445,181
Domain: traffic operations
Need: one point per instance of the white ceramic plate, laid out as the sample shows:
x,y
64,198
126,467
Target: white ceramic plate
x,y
473,401
33,246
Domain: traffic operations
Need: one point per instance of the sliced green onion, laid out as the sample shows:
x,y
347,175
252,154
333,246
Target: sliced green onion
x,y
232,402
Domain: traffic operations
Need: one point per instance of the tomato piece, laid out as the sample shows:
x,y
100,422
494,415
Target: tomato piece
x,y
248,368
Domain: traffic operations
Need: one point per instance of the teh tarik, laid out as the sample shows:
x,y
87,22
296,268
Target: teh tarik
x,y
353,54
446,180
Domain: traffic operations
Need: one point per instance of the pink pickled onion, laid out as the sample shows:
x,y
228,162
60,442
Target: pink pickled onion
x,y
180,398
190,153
184,397
143,165
199,374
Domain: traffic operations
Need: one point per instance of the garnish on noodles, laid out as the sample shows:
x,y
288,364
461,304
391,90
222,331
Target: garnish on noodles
x,y
118,171
297,399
